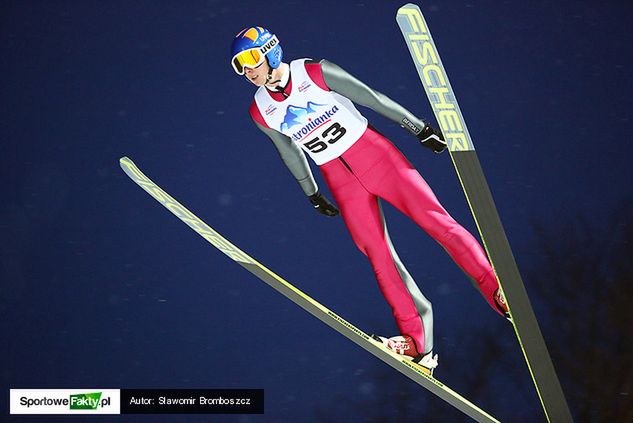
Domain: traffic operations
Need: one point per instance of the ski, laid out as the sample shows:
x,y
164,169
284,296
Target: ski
x,y
462,151
407,368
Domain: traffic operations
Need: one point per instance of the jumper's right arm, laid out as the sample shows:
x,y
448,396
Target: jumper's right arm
x,y
296,162
293,157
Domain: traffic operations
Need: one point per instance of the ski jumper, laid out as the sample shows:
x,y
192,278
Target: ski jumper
x,y
361,167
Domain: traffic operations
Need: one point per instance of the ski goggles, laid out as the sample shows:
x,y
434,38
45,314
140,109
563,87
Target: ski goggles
x,y
251,58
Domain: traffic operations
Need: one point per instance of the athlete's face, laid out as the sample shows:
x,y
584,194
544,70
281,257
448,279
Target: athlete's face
x,y
257,75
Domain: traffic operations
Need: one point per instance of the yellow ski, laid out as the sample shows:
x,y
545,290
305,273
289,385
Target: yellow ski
x,y
442,98
404,366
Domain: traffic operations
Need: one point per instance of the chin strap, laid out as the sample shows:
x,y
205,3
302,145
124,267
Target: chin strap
x,y
271,84
269,77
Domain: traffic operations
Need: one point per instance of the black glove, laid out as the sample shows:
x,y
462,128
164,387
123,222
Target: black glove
x,y
323,205
432,138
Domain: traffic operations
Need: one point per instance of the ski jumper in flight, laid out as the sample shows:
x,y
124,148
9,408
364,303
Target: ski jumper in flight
x,y
306,107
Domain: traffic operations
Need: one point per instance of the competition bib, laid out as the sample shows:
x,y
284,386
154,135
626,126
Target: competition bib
x,y
323,123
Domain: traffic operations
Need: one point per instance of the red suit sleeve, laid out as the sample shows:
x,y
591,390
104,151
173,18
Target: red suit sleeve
x,y
316,75
256,115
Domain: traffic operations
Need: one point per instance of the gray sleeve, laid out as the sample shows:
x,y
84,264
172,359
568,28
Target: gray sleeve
x,y
337,79
294,159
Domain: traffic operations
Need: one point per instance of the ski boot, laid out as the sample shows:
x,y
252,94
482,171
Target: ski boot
x,y
500,302
405,346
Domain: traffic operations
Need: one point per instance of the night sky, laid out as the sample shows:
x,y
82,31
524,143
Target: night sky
x,y
102,287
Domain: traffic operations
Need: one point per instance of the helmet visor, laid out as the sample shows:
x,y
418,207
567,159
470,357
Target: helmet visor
x,y
252,57
248,58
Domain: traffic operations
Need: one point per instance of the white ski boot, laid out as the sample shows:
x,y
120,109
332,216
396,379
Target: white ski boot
x,y
405,346
502,305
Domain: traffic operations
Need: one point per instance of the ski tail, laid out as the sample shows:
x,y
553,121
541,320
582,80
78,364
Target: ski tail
x,y
462,151
318,310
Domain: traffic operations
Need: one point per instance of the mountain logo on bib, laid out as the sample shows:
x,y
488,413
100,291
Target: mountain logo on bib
x,y
298,116
308,119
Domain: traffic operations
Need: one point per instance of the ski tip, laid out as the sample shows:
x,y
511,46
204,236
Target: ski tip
x,y
127,165
123,160
408,6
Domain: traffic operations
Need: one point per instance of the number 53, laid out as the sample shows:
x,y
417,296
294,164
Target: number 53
x,y
332,134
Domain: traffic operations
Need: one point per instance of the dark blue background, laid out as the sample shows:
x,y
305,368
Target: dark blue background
x,y
102,287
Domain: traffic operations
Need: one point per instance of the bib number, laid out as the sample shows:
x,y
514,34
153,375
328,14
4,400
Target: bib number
x,y
332,134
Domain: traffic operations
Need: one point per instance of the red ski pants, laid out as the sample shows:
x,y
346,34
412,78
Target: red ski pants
x,y
374,168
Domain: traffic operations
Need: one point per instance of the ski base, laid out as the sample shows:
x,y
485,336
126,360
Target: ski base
x,y
404,366
462,151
